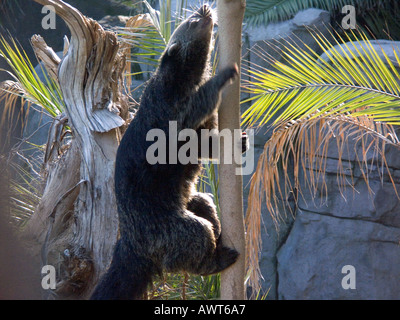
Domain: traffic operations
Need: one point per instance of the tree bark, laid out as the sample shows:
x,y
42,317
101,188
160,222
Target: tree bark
x,y
76,222
230,18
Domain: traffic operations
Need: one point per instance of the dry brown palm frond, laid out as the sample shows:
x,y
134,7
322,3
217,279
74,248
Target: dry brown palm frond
x,y
294,160
11,94
130,37
142,31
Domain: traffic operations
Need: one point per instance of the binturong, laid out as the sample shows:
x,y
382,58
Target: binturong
x,y
165,225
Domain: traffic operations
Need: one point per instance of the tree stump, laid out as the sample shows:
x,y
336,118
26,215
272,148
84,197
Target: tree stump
x,y
75,225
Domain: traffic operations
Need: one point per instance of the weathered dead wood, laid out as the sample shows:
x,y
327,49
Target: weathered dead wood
x,y
45,54
76,223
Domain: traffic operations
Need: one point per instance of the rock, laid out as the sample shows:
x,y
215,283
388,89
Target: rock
x,y
137,89
318,247
358,225
335,226
310,17
392,155
382,47
283,31
271,238
112,22
31,16
357,201
387,205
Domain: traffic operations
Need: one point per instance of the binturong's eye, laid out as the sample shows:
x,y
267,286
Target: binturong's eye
x,y
172,49
194,20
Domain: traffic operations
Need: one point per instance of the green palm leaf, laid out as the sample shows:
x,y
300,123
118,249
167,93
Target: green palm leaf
x,y
350,93
141,32
353,80
151,32
46,94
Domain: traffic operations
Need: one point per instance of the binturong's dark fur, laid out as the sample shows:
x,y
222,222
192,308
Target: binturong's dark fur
x,y
164,224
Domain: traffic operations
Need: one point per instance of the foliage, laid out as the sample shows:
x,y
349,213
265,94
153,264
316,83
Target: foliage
x,y
8,8
185,287
24,196
348,82
30,87
151,33
25,90
263,12
352,96
381,22
148,34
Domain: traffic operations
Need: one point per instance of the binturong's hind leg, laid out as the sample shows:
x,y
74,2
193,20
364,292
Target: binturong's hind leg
x,y
195,248
202,205
221,259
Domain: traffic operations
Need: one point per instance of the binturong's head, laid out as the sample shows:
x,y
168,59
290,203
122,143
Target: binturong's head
x,y
194,31
188,50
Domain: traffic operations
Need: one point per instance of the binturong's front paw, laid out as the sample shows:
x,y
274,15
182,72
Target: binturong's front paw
x,y
227,75
226,257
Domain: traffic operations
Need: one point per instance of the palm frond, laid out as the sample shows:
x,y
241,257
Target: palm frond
x,y
148,34
140,32
351,97
294,159
10,93
9,9
24,195
382,23
31,88
20,94
353,80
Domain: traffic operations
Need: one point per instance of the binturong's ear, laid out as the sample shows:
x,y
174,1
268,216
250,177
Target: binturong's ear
x,y
173,48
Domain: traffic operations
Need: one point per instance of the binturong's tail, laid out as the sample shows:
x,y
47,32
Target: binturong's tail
x,y
127,278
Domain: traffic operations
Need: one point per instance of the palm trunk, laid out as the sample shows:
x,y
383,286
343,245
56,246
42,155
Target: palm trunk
x,y
230,17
